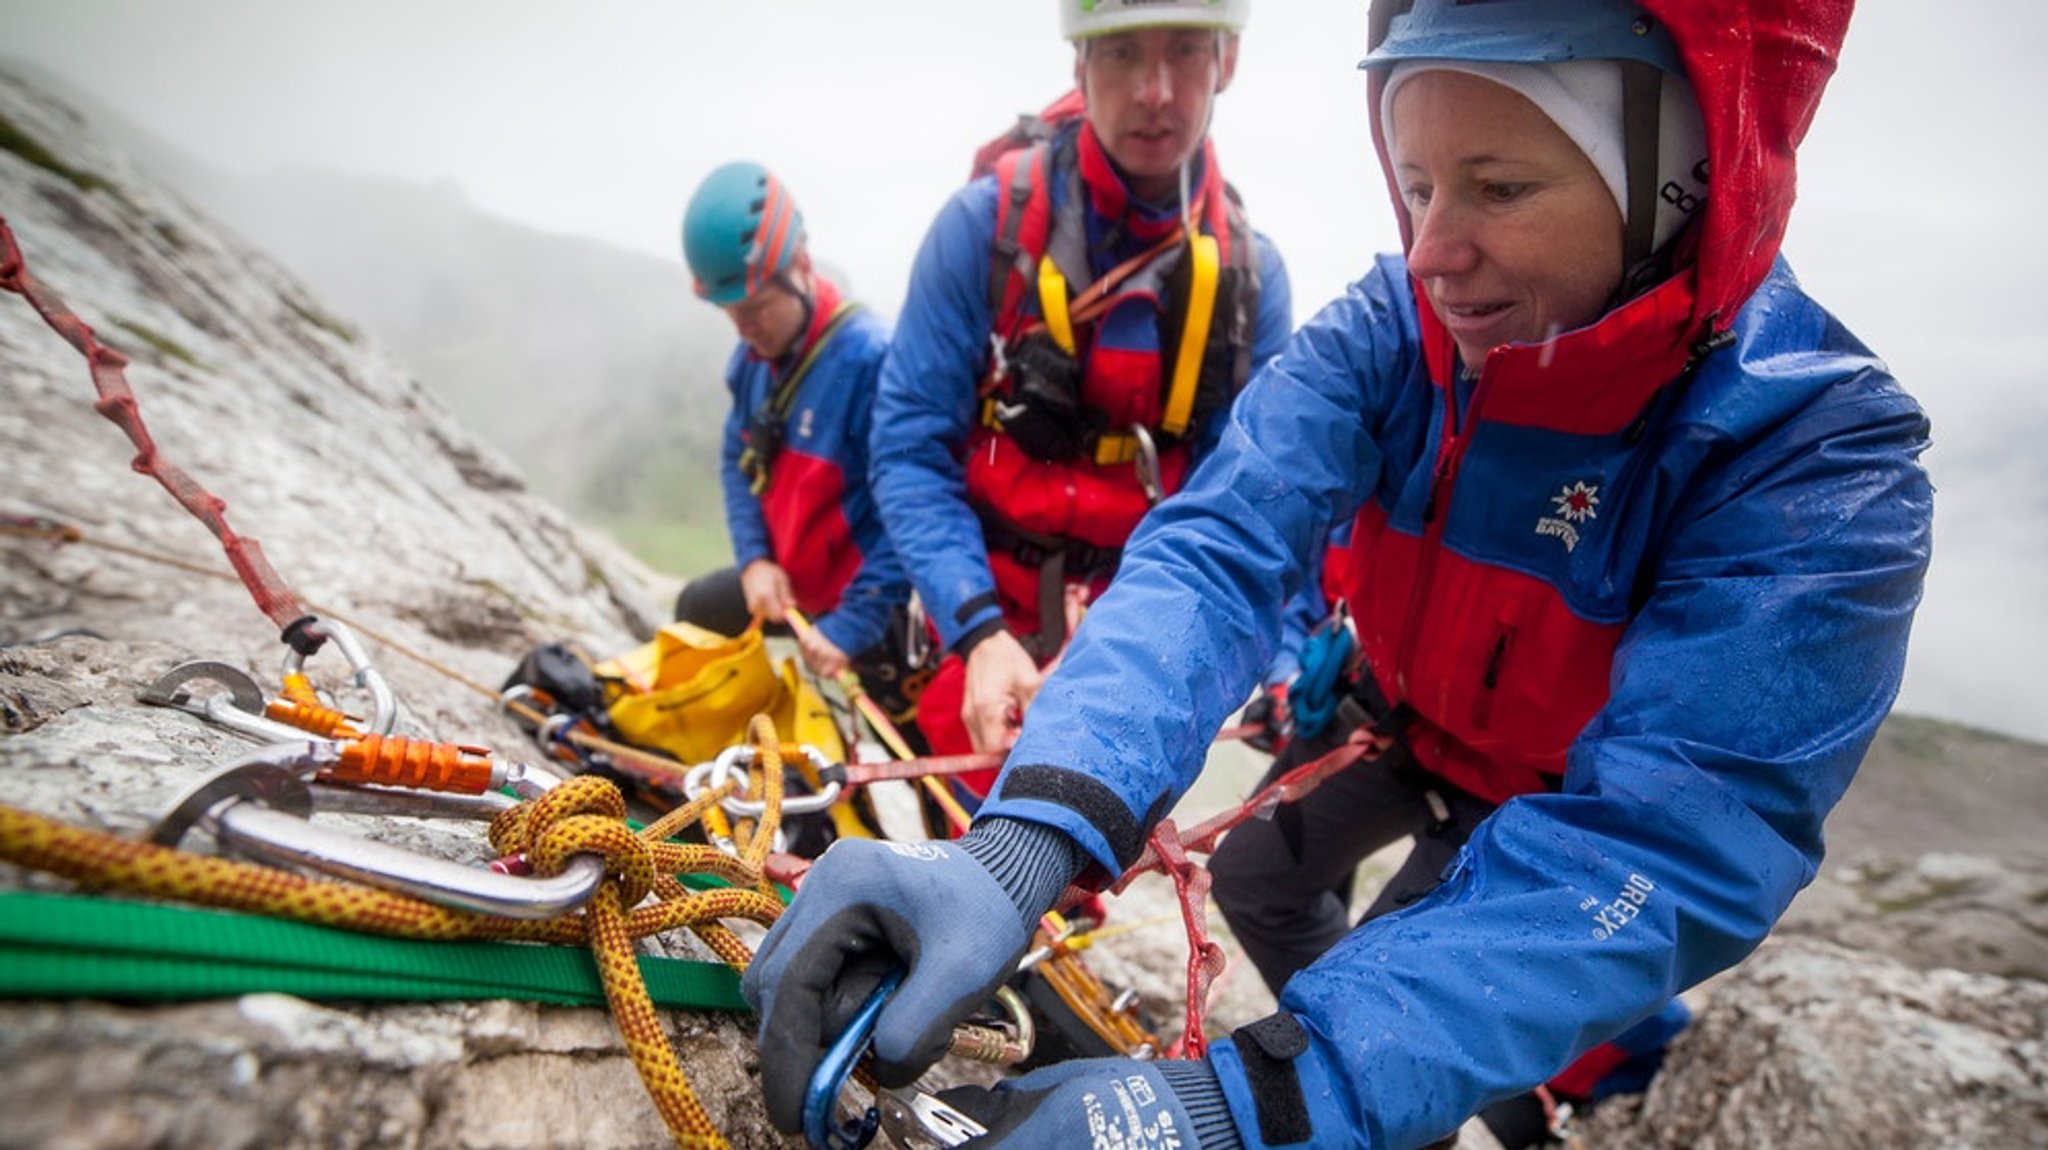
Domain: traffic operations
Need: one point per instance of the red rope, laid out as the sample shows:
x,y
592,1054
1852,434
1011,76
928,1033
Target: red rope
x,y
117,403
1167,852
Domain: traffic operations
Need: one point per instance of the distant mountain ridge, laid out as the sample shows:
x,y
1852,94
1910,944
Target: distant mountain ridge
x,y
595,370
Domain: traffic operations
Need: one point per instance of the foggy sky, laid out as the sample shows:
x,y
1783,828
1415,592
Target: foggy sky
x,y
1916,222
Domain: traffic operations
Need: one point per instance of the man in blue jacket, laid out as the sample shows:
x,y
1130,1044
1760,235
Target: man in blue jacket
x,y
1076,326
1638,534
806,533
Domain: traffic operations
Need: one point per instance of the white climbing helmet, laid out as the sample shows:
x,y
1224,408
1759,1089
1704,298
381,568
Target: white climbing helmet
x,y
1082,19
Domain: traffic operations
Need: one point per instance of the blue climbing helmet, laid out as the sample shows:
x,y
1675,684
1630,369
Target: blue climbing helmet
x,y
741,230
1516,31
1665,178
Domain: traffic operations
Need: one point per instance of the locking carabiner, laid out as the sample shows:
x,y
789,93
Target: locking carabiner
x,y
833,1070
914,1119
259,806
384,706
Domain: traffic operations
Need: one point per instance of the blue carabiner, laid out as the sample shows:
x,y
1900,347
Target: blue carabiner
x,y
834,1069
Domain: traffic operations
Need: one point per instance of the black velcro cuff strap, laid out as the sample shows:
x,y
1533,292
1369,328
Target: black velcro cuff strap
x,y
1268,1048
1095,803
975,606
972,639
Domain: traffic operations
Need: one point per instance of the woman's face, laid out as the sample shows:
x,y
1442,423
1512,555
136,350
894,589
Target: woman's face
x,y
1515,235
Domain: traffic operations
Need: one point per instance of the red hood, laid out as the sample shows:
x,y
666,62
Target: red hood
x,y
1758,67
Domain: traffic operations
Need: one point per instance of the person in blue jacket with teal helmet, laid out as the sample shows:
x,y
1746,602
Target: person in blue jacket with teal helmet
x,y
1639,529
806,533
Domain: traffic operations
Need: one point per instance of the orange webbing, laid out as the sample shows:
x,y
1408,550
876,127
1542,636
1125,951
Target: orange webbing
x,y
584,815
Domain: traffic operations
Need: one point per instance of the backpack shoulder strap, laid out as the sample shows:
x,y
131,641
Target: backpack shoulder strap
x,y
1023,222
785,392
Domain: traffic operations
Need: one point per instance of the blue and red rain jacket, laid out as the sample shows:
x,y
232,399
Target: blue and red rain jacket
x,y
1682,578
817,517
929,407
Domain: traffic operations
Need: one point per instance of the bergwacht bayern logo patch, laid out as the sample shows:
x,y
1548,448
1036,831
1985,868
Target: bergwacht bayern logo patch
x,y
1574,504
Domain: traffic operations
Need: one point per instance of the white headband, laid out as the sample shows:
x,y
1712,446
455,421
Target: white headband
x,y
1583,98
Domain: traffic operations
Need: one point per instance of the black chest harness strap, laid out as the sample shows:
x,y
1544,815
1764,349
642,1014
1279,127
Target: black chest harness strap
x,y
765,424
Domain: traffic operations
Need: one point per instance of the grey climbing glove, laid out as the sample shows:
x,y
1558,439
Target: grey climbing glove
x,y
956,915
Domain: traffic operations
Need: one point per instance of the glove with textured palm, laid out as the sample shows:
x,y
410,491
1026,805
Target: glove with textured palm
x,y
1120,1102
956,915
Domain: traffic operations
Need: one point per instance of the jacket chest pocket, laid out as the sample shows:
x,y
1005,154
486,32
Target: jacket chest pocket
x,y
1500,645
1534,676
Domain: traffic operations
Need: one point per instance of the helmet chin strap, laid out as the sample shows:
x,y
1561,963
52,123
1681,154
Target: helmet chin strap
x,y
1642,88
1187,211
787,283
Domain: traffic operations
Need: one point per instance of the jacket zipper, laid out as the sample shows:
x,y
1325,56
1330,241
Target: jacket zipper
x,y
1450,453
1496,659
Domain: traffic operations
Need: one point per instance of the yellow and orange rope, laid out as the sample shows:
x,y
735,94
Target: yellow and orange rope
x,y
584,815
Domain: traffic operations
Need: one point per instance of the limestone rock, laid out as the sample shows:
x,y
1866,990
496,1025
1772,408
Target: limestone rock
x,y
1810,1046
377,508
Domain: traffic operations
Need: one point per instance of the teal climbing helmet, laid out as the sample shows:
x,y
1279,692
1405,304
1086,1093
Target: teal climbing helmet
x,y
741,230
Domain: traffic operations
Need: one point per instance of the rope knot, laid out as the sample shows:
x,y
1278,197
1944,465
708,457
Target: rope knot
x,y
585,815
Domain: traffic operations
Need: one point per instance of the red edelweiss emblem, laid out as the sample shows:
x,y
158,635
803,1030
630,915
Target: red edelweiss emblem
x,y
1577,501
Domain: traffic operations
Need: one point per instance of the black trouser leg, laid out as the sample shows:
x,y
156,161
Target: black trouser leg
x,y
1283,884
715,602
1430,856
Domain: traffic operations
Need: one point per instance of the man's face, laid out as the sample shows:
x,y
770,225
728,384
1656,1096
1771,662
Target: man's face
x,y
770,321
1149,92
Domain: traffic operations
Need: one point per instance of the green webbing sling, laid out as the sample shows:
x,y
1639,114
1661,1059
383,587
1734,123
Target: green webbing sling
x,y
71,946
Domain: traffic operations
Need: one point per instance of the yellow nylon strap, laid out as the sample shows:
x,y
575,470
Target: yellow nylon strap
x,y
1114,449
1194,338
1052,300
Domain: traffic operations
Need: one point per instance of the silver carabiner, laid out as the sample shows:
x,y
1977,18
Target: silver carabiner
x,y
732,764
746,753
915,1120
1147,464
258,806
383,705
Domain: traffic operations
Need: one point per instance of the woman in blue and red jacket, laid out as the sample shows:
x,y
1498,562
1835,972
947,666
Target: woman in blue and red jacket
x,y
805,530
1639,531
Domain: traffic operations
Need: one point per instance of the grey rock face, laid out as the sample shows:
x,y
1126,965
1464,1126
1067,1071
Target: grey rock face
x,y
1809,1045
1957,911
377,508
